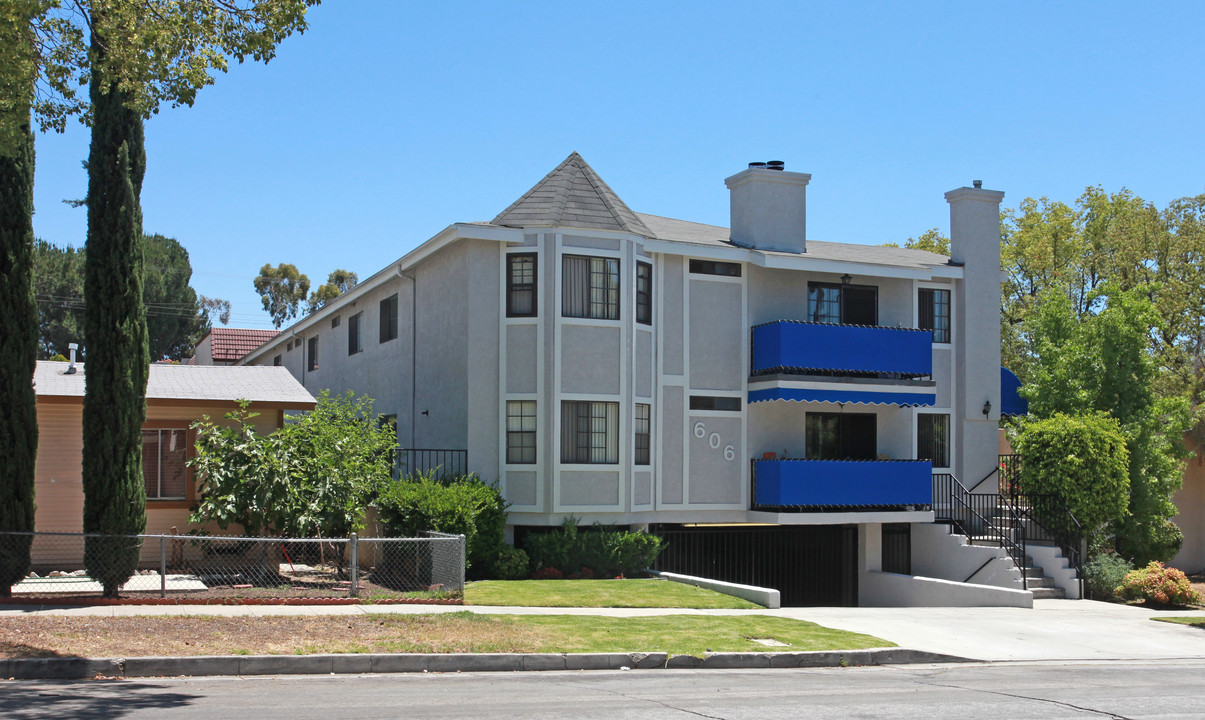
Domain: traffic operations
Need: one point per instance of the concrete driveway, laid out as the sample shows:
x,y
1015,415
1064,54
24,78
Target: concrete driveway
x,y
1052,630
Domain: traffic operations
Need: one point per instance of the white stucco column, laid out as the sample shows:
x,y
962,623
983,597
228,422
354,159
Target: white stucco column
x,y
975,244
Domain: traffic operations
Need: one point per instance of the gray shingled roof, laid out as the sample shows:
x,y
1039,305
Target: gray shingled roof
x,y
572,195
713,235
264,384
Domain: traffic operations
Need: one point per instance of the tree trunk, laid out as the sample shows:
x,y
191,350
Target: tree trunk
x,y
115,335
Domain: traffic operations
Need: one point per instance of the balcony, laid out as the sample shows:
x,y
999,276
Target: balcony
x,y
807,348
841,484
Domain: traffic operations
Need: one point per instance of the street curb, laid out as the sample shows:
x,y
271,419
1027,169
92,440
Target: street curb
x,y
71,668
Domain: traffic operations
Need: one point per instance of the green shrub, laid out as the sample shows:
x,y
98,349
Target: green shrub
x,y
1158,584
1081,459
1103,573
462,505
510,563
603,549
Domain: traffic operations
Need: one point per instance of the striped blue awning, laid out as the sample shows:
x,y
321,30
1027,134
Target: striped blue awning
x,y
856,397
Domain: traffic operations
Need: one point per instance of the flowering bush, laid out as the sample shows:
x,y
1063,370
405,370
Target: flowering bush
x,y
584,574
547,573
1158,584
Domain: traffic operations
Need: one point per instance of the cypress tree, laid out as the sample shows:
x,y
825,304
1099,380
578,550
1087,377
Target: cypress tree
x,y
115,335
18,355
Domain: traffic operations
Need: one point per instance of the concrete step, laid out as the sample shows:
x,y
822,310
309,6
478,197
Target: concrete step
x,y
1047,593
1039,582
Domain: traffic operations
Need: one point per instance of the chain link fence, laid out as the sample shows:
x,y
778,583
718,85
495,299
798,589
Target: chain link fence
x,y
221,568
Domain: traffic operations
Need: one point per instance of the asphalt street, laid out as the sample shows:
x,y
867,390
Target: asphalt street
x,y
1117,689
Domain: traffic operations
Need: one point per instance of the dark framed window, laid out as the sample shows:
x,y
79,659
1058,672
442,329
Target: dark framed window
x,y
644,293
709,402
589,432
841,436
354,344
164,454
933,438
335,321
643,432
521,431
590,287
312,353
389,318
844,304
712,267
521,285
277,361
934,310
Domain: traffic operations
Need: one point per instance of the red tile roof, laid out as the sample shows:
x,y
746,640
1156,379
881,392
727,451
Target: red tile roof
x,y
231,344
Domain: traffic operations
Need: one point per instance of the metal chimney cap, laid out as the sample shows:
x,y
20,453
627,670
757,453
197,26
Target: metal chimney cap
x,y
757,165
776,165
978,184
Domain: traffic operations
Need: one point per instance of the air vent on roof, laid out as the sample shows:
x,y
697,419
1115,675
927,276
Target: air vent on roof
x,y
776,165
758,165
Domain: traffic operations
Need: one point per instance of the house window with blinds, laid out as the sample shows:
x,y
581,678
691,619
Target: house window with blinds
x,y
934,310
164,454
589,432
521,285
643,418
590,287
521,432
933,439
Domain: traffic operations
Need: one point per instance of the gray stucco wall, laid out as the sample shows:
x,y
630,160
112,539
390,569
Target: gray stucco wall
x,y
673,272
714,478
672,442
717,336
590,359
592,487
521,353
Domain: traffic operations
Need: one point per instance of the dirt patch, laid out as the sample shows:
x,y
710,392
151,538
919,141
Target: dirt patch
x,y
1198,582
190,635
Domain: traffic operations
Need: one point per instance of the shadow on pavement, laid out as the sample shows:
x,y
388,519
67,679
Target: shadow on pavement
x,y
26,700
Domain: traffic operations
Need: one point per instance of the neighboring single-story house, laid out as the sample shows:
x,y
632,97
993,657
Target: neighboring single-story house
x,y
176,396
226,346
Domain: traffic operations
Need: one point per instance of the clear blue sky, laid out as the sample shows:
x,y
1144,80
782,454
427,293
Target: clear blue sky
x,y
388,121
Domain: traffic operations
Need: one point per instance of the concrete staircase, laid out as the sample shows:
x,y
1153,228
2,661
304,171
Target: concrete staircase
x,y
1039,583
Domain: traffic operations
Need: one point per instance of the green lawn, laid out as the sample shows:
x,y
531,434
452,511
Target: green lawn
x,y
1193,620
690,634
643,593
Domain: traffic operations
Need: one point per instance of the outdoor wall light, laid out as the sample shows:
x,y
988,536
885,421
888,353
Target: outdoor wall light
x,y
987,408
846,279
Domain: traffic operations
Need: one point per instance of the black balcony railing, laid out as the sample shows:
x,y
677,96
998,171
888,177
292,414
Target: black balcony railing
x,y
439,462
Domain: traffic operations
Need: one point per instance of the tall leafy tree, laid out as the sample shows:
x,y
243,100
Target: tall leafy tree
x,y
1101,363
282,288
337,282
18,316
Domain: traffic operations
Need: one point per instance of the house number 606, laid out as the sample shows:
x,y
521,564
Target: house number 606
x,y
714,441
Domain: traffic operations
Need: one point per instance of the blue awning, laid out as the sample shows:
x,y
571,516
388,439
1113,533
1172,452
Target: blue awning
x,y
855,397
1011,402
789,346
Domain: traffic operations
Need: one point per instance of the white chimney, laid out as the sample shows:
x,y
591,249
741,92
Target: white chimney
x,y
769,208
71,348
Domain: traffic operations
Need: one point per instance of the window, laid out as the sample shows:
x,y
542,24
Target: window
x,y
644,293
164,453
289,346
589,432
389,318
844,304
590,288
933,438
521,432
521,285
840,436
643,418
335,321
934,308
353,334
710,267
312,351
276,361
897,548
707,402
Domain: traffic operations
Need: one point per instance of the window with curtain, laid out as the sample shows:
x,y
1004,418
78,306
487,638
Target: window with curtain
x,y
164,454
521,431
521,285
589,432
590,287
933,438
841,436
844,304
934,313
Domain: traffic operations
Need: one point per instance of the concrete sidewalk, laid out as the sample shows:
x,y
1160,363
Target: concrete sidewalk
x,y
1052,630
